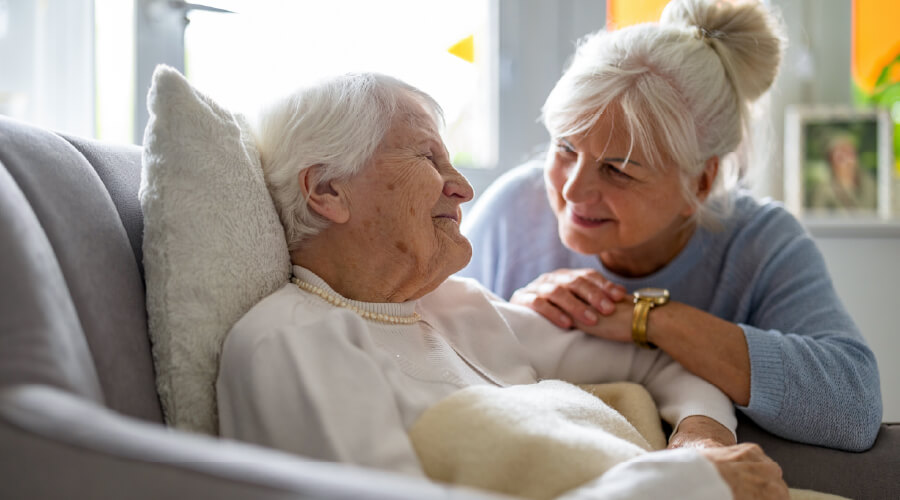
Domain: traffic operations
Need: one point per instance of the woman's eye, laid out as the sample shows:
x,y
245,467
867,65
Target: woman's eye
x,y
430,158
564,148
609,168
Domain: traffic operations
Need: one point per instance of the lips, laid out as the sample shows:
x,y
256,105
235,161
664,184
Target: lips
x,y
585,221
452,216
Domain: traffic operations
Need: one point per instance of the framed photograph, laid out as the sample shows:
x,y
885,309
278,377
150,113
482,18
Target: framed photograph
x,y
837,162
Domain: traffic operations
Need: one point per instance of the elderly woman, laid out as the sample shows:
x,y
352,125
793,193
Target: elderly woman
x,y
641,177
339,363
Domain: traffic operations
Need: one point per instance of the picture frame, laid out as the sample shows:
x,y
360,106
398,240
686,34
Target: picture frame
x,y
837,162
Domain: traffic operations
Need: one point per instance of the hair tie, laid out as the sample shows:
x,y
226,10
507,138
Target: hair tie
x,y
708,35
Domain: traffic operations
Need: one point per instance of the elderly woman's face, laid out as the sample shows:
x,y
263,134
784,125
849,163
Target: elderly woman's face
x,y
604,203
407,204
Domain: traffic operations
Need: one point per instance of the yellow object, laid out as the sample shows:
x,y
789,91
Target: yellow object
x,y
876,40
644,300
621,13
464,49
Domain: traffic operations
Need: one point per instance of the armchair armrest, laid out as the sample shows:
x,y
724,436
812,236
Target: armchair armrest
x,y
56,445
874,473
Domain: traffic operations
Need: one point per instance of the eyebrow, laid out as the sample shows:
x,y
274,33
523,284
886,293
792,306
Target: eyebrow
x,y
618,160
623,160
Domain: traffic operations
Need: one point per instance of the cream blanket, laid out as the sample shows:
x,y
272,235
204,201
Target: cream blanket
x,y
540,440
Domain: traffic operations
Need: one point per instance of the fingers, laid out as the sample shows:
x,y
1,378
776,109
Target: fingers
x,y
570,302
557,304
749,472
590,286
615,291
742,452
596,291
542,306
567,296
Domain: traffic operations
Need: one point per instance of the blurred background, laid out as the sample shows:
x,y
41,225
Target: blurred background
x,y
83,67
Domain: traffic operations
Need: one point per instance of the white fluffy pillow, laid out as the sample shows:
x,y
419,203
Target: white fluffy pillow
x,y
213,244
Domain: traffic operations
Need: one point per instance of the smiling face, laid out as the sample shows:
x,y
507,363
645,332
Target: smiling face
x,y
610,202
406,204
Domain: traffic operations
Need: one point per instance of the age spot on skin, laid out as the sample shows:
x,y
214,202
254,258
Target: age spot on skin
x,y
412,211
401,246
390,187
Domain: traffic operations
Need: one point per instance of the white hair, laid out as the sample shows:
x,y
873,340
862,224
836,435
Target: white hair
x,y
337,123
684,87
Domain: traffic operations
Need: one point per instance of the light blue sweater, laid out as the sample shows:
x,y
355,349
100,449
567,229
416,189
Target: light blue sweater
x,y
813,378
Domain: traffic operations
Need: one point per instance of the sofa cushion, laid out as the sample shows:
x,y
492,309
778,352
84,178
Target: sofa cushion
x,y
213,244
97,267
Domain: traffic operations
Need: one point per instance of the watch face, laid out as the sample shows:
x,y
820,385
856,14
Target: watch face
x,y
656,295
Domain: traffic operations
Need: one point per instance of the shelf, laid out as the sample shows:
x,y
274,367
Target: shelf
x,y
852,228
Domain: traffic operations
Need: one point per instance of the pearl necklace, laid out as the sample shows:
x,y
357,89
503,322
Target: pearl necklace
x,y
341,302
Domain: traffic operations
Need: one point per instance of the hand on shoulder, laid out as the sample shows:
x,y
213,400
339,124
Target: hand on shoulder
x,y
570,296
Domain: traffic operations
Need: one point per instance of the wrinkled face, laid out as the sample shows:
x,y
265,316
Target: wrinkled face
x,y
407,203
607,197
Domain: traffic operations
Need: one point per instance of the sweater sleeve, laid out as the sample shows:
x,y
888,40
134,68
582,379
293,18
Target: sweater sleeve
x,y
813,377
311,390
681,473
576,357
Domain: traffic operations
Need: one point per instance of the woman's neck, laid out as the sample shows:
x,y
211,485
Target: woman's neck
x,y
358,274
652,255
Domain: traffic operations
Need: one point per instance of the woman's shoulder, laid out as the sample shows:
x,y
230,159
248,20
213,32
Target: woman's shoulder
x,y
764,218
758,232
287,312
274,308
459,292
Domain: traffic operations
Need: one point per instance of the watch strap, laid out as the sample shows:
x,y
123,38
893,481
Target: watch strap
x,y
639,323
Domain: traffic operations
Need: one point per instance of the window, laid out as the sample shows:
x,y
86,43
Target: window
x,y
114,51
46,58
267,48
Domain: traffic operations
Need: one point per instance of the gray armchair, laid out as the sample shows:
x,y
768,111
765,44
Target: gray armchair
x,y
79,414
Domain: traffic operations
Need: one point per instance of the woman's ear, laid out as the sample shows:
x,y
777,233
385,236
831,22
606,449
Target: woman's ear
x,y
327,198
703,184
707,178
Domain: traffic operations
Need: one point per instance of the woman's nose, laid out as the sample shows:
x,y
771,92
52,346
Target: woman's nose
x,y
580,184
457,186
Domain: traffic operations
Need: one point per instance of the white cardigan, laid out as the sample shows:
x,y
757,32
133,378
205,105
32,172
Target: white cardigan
x,y
307,377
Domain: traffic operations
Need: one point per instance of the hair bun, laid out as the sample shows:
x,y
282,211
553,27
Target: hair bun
x,y
747,37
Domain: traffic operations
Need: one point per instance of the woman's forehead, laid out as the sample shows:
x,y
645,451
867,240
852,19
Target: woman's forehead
x,y
413,127
605,135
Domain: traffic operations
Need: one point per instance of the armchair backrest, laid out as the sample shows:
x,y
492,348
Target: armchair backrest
x,y
72,311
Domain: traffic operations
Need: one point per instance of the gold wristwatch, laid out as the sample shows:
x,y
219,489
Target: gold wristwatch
x,y
644,300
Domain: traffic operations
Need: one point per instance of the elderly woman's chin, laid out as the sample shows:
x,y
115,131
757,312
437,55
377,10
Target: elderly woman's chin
x,y
458,252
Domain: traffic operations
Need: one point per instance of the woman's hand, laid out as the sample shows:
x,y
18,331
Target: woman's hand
x,y
750,474
698,431
570,296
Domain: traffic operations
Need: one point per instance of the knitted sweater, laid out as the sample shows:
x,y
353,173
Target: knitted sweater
x,y
813,377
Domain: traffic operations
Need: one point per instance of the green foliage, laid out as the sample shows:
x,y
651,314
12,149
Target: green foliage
x,y
887,96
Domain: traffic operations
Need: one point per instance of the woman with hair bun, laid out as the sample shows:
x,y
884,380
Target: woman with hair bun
x,y
649,238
